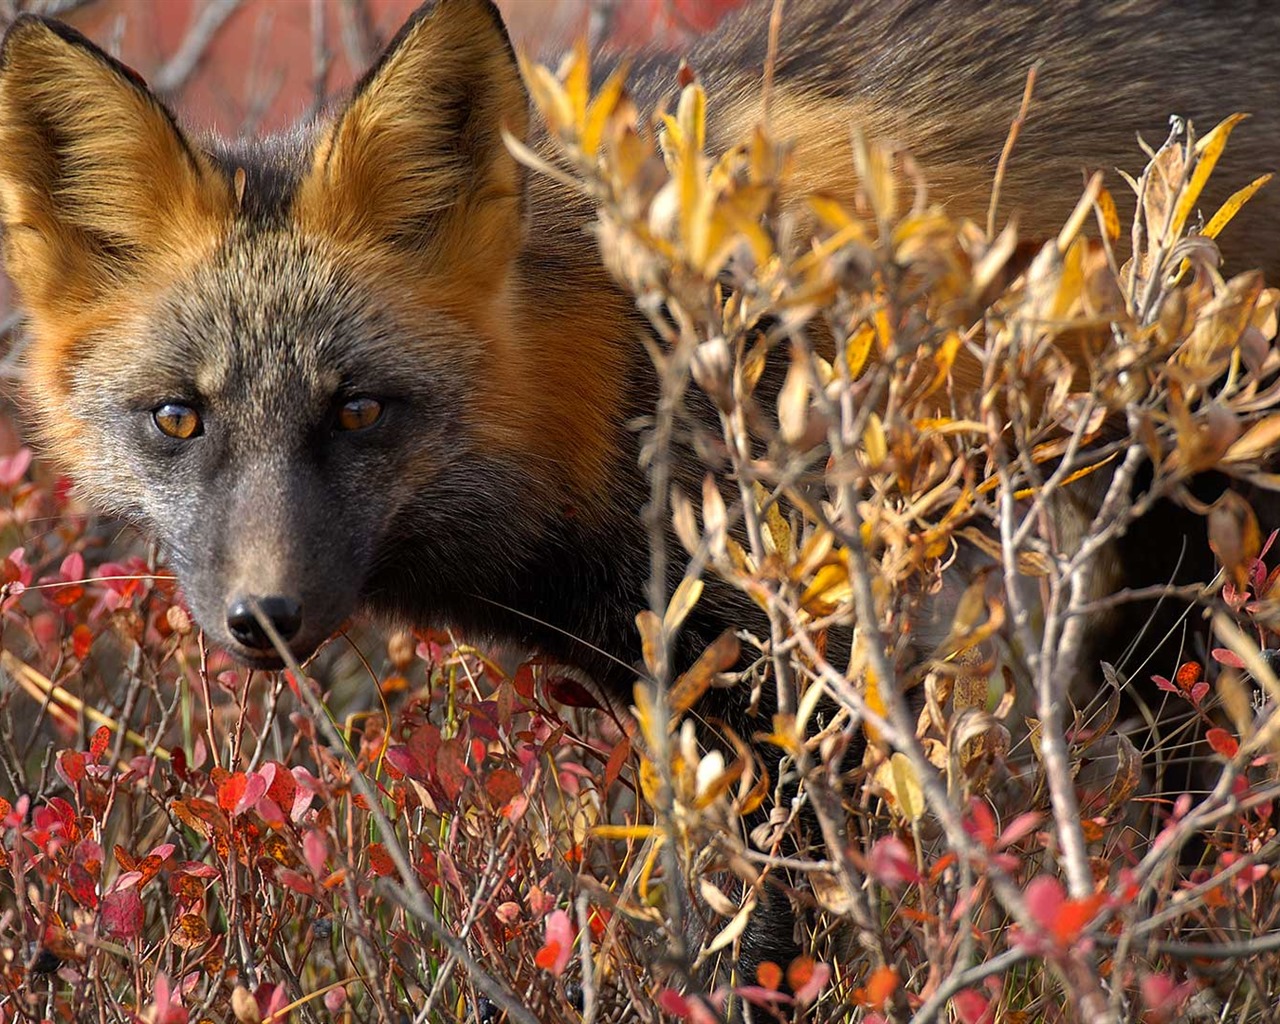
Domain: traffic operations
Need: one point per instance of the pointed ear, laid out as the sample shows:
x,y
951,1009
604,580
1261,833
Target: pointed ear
x,y
415,164
96,180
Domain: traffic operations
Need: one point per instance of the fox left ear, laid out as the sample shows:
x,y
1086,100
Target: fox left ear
x,y
416,164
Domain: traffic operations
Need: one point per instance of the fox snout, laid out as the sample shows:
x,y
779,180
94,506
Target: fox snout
x,y
282,611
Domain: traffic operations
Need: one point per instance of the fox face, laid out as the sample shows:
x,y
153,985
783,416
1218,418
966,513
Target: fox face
x,y
300,363
263,428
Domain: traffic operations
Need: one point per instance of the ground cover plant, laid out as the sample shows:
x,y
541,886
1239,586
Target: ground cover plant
x,y
412,828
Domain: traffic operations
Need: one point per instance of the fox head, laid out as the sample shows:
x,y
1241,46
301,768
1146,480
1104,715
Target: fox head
x,y
283,357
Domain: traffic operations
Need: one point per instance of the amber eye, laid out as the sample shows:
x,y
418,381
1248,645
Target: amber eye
x,y
359,413
176,420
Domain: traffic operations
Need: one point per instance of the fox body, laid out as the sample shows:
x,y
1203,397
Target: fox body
x,y
372,364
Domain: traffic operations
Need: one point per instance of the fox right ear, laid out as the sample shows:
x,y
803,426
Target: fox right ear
x,y
95,176
416,163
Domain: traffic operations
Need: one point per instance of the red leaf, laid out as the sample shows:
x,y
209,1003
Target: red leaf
x,y
98,745
423,743
548,956
1045,897
380,862
971,1007
81,885
981,823
231,790
617,758
81,641
882,984
401,759
892,864
296,881
570,693
1223,742
1225,657
1074,916
769,975
281,785
71,763
807,977
523,682
554,955
451,767
72,568
502,785
122,913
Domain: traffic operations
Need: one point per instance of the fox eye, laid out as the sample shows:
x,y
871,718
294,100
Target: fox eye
x,y
359,413
177,420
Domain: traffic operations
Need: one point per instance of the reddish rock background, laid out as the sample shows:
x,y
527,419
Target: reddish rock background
x,y
257,63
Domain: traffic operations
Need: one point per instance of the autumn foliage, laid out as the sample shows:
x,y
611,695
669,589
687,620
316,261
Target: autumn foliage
x,y
986,830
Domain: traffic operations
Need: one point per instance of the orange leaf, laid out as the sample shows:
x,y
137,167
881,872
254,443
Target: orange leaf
x,y
380,862
769,975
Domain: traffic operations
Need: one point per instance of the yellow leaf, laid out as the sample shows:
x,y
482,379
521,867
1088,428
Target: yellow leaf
x,y
682,602
650,639
858,348
640,832
830,212
793,400
647,716
1208,149
1232,206
650,862
777,534
650,780
946,425
576,73
906,787
1084,471
874,442
548,96
601,109
828,589
875,704
691,112
735,927
1258,441
1108,215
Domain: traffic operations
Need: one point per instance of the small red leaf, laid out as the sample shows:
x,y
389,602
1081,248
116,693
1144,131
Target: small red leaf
x,y
554,955
451,767
231,791
81,641
617,758
571,693
501,785
122,913
1223,742
380,862
98,745
769,975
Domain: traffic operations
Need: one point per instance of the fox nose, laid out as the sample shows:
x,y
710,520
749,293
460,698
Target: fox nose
x,y
284,613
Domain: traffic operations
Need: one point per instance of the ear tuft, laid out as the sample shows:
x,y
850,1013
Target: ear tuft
x,y
416,161
96,179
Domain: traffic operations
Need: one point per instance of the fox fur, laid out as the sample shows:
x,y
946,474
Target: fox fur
x,y
394,250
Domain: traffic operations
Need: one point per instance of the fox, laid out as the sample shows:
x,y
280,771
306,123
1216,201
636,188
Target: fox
x,y
372,365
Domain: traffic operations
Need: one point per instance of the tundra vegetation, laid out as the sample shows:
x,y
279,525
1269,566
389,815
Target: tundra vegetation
x,y
411,828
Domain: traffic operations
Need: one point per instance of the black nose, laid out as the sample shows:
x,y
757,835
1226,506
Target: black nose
x,y
284,613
